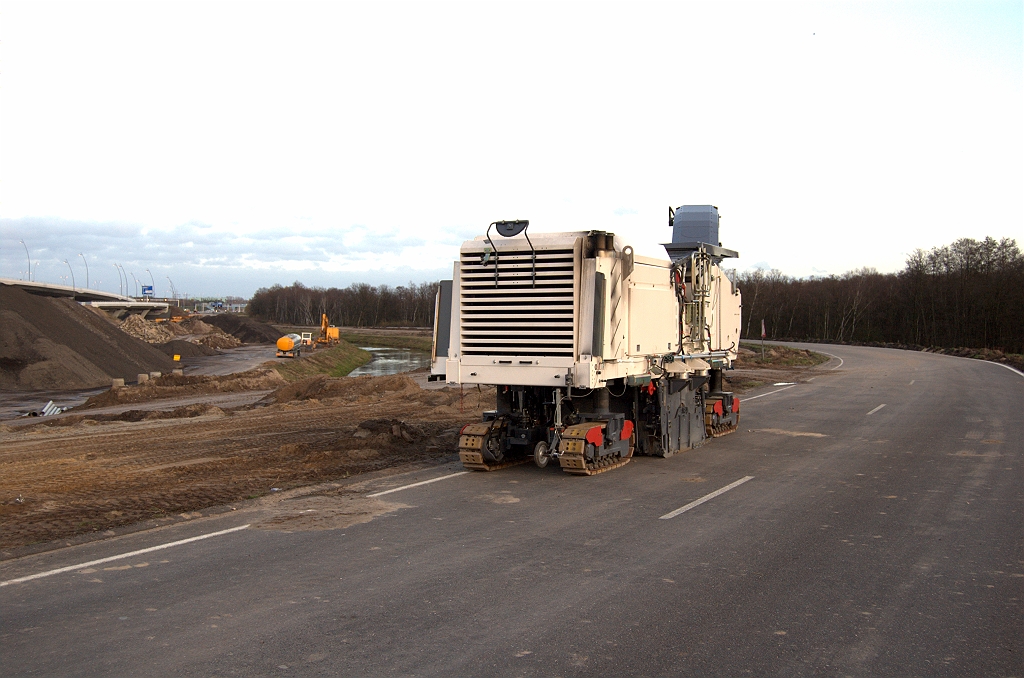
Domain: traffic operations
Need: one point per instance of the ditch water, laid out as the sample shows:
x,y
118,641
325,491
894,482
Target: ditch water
x,y
391,361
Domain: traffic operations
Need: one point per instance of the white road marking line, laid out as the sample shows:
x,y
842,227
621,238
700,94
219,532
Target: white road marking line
x,y
875,410
424,482
832,356
122,556
912,381
1012,369
707,497
765,394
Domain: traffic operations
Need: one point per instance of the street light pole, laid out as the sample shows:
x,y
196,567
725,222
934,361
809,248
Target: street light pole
x,y
126,293
136,284
120,290
29,260
86,270
72,275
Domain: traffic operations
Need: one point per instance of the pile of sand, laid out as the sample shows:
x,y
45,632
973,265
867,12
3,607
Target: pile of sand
x,y
149,332
217,340
48,343
192,330
248,330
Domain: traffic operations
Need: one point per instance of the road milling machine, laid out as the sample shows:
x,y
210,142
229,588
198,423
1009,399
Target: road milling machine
x,y
597,353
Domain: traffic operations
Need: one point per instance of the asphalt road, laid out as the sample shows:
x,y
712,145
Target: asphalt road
x,y
870,541
230,360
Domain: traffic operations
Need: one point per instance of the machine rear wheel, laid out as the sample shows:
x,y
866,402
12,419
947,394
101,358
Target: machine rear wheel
x,y
540,454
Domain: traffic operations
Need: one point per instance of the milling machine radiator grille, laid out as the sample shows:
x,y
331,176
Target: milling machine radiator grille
x,y
519,316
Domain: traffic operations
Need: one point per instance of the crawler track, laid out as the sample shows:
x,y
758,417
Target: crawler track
x,y
572,452
476,439
715,424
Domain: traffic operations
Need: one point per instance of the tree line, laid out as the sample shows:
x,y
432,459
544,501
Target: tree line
x,y
969,294
358,305
966,295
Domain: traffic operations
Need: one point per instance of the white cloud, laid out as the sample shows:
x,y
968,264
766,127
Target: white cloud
x,y
334,138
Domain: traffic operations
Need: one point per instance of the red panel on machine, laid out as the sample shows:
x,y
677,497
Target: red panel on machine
x,y
596,435
627,430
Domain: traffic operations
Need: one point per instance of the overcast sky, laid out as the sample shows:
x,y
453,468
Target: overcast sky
x,y
230,146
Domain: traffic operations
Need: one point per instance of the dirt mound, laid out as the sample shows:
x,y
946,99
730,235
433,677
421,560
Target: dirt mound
x,y
218,340
194,326
48,343
248,330
776,356
304,389
189,329
186,349
147,331
189,411
321,387
173,385
395,428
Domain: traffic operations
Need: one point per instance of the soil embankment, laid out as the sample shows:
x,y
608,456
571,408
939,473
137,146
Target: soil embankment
x,y
247,330
336,361
48,343
780,363
84,473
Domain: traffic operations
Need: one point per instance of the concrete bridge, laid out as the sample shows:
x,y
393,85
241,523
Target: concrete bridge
x,y
116,305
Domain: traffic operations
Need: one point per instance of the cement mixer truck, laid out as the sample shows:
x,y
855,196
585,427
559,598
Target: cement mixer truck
x,y
597,353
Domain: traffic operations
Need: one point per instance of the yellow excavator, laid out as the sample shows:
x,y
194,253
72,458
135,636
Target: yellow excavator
x,y
329,335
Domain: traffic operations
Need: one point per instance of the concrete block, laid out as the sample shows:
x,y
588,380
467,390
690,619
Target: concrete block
x,y
154,375
178,372
117,383
143,378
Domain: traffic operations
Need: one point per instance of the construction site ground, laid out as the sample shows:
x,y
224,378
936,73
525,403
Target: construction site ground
x,y
13,404
176,447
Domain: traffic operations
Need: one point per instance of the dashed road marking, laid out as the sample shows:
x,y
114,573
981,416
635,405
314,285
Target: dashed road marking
x,y
122,556
423,482
766,394
706,497
875,410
